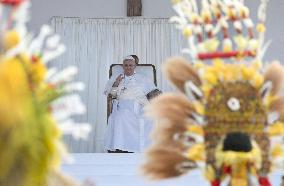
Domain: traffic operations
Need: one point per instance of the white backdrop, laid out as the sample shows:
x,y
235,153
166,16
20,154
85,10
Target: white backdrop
x,y
94,44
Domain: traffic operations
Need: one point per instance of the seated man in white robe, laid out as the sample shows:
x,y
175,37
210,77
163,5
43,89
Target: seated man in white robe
x,y
127,129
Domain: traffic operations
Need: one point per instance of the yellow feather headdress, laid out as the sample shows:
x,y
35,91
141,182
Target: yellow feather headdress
x,y
35,102
227,117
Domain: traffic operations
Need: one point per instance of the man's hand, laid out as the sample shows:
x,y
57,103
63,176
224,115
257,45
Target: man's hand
x,y
118,80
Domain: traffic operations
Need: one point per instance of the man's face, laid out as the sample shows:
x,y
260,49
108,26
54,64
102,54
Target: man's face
x,y
129,67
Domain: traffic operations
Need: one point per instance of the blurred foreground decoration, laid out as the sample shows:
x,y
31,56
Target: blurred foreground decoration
x,y
228,117
36,103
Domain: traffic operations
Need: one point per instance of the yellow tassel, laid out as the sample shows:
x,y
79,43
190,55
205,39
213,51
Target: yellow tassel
x,y
247,73
206,89
276,129
210,78
244,11
257,64
14,92
199,107
206,15
209,173
253,44
260,28
38,71
176,1
258,80
211,45
196,153
187,32
11,40
193,17
227,45
239,182
199,65
196,129
241,42
277,151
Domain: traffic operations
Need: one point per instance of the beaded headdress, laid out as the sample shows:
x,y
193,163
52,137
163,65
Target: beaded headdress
x,y
227,117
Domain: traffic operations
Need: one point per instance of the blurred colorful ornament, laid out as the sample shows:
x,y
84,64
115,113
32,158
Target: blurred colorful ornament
x,y
12,2
227,92
36,103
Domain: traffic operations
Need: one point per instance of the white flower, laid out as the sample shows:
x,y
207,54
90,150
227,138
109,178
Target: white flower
x,y
53,41
49,55
37,44
77,130
67,106
64,76
50,73
74,86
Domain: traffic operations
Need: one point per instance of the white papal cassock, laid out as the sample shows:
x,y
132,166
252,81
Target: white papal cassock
x,y
128,129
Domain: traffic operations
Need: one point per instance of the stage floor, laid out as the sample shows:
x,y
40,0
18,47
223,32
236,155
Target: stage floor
x,y
123,170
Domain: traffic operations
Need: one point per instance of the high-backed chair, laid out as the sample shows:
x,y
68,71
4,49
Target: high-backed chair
x,y
147,70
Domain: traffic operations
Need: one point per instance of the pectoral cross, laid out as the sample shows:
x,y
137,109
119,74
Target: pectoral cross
x,y
134,8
